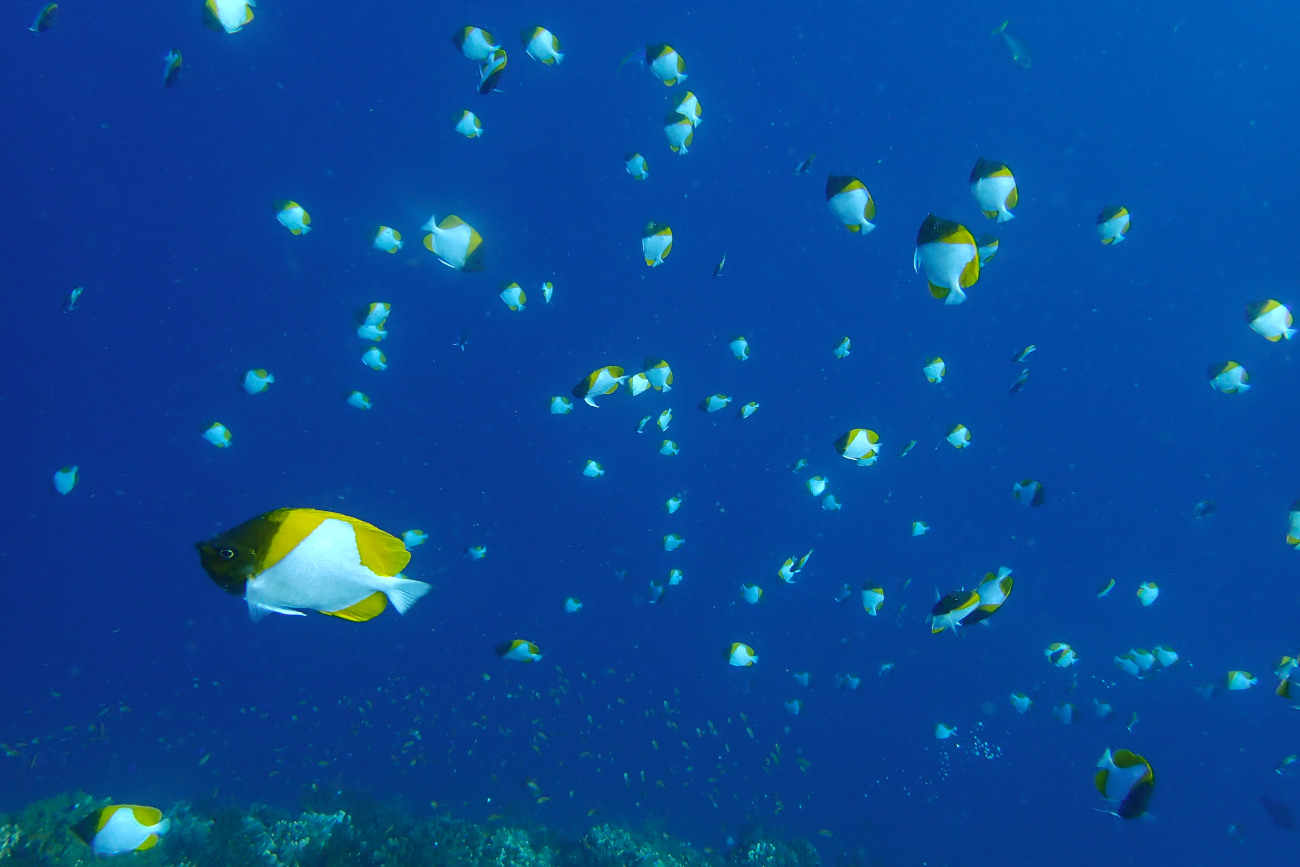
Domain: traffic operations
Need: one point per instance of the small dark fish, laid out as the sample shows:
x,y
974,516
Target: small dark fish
x,y
717,272
1020,381
1016,48
464,340
1279,814
1204,507
803,167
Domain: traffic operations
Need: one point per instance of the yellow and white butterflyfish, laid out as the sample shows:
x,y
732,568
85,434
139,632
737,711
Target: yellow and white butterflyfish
x,y
1105,588
657,591
873,598
741,655
456,243
476,552
468,124
513,295
1127,664
947,253
994,188
1241,680
793,706
672,504
848,681
636,166
414,538
907,448
292,216
561,405
798,465
638,383
993,591
943,731
572,605
548,289
120,828
715,402
934,370
292,559
541,45
959,436
490,71
1165,655
920,528
801,677
359,400
218,434
1113,224
660,373
1143,658
665,419
1029,492
1270,319
45,18
1147,592
842,348
227,15
851,203
656,243
987,245
1229,377
519,650
475,43
680,133
1101,709
668,447
602,380
172,68
257,380
374,359
739,348
1060,654
859,445
386,239
831,503
748,409
1064,712
689,107
373,321
673,541
792,567
1126,781
951,610
675,577
665,64
640,427
65,480
817,485
1021,702
751,593
593,470
1293,525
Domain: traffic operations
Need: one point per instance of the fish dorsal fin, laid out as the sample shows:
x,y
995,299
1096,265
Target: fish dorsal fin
x,y
372,606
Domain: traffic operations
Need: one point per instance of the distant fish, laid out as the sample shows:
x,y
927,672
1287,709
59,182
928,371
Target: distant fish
x,y
741,655
1113,224
227,15
722,263
665,64
47,16
689,107
934,370
257,380
73,296
386,239
859,445
292,216
491,70
1016,48
1029,492
172,68
680,133
1021,379
65,480
541,45
851,203
475,43
1279,814
959,436
993,590
994,188
456,243
1024,353
656,243
519,650
1270,319
636,166
842,349
1126,781
804,167
602,380
1203,508
951,610
946,254
468,124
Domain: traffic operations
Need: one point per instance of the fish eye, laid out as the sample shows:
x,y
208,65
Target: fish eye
x,y
226,553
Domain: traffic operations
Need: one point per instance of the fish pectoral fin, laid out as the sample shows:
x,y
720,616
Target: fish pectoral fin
x,y
372,606
258,610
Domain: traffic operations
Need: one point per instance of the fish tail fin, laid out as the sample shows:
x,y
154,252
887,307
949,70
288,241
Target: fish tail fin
x,y
1000,28
405,592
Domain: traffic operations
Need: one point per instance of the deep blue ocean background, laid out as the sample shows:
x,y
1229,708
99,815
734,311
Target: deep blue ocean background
x,y
127,673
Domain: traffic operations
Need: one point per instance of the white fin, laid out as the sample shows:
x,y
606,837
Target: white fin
x,y
258,610
405,592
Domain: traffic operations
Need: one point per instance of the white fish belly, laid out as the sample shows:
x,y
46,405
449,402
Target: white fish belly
x,y
323,573
943,263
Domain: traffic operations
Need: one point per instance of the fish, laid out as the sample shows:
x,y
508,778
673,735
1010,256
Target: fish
x,y
830,503
457,244
793,706
1165,655
672,504
1229,377
656,243
541,45
992,593
257,381
665,419
675,577
751,593
859,445
490,72
689,107
463,341
636,166
741,655
1021,379
593,470
798,465
1147,592
45,18
934,370
1238,680
414,538
959,436
475,43
748,409
73,296
65,480
297,558
668,447
722,263
1271,320
1029,492
373,321
851,203
359,400
715,402
292,216
172,68
673,541
947,254
1061,654
805,165
817,485
801,677
1113,224
665,63
987,246
468,124
572,605
1021,702
1204,508
519,650
920,528
873,599
374,359
680,133
513,295
386,239
227,15
1126,781
739,348
561,405
218,434
660,374
1293,525
951,610
638,383
943,731
792,567
1024,353
476,552
548,290
120,828
842,348
1106,587
1017,50
1064,713
994,188
906,449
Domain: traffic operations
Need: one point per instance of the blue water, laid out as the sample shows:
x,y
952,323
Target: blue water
x,y
128,674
